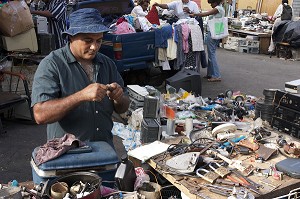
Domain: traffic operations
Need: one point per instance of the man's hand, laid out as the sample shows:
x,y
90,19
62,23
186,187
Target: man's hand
x,y
115,92
155,4
187,10
192,15
94,92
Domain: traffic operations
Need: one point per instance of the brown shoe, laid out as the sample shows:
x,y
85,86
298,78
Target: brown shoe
x,y
213,79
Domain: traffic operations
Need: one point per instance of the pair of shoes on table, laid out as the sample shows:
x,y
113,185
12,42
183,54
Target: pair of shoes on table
x,y
214,79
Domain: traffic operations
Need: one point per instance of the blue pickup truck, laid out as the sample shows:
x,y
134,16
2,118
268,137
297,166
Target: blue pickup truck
x,y
133,53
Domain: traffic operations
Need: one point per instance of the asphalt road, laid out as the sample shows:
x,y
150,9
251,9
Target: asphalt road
x,y
248,73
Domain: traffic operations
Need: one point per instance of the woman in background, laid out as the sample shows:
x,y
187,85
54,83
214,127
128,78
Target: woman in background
x,y
141,10
213,72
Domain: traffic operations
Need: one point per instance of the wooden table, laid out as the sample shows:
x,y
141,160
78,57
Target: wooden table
x,y
264,38
278,188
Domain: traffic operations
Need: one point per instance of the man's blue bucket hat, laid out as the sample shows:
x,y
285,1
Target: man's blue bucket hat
x,y
85,20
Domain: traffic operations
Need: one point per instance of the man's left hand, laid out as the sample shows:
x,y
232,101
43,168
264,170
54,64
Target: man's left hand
x,y
115,92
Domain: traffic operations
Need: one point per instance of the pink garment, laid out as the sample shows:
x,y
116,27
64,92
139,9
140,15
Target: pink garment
x,y
185,37
56,147
124,28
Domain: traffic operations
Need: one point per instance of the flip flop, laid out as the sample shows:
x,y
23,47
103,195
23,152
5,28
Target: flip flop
x,y
207,77
213,79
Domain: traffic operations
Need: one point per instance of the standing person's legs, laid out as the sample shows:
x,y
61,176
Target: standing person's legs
x,y
272,45
213,67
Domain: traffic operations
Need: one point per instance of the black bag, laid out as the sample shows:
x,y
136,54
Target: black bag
x,y
287,12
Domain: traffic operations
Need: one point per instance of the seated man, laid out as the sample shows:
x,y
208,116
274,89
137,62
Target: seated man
x,y
76,88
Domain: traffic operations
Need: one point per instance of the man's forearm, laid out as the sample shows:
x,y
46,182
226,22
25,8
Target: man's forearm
x,y
54,110
44,13
164,6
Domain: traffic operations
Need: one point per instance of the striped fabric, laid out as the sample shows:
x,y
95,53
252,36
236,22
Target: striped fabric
x,y
57,24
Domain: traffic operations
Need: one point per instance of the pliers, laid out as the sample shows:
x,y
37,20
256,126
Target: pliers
x,y
243,182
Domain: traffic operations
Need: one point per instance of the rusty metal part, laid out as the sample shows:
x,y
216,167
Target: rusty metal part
x,y
209,176
226,182
292,149
265,152
237,173
251,145
207,147
220,170
220,192
195,189
249,170
231,162
228,189
244,183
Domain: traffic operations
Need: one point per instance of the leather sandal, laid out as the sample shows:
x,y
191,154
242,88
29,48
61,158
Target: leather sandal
x,y
213,79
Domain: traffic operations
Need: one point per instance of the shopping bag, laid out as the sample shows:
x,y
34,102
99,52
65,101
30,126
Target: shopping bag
x,y
218,27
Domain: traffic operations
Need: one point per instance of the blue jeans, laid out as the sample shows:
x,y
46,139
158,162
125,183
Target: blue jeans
x,y
213,67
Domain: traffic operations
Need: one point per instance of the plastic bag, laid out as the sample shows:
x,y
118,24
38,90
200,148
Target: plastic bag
x,y
218,27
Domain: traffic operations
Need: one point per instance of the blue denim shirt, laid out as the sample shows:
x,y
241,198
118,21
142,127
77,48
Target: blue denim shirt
x,y
60,75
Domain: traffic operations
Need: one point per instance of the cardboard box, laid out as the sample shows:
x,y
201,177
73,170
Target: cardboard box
x,y
25,42
15,18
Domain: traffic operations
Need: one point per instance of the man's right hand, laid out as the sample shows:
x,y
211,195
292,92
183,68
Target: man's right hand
x,y
94,92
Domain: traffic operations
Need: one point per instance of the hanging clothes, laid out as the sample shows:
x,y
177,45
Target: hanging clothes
x,y
197,38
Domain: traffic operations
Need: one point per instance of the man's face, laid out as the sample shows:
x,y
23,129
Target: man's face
x,y
85,46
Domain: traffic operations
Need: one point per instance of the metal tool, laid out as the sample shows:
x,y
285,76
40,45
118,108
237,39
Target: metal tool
x,y
244,183
257,186
196,190
231,163
269,184
184,163
227,182
220,170
209,176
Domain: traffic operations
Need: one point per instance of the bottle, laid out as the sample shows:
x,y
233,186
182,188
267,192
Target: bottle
x,y
125,174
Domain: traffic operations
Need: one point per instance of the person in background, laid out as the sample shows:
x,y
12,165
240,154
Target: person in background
x,y
141,10
182,8
283,12
56,13
76,88
213,71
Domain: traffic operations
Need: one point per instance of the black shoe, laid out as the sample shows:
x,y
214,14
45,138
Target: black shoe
x,y
207,77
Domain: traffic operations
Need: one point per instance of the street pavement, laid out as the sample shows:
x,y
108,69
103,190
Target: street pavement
x,y
248,73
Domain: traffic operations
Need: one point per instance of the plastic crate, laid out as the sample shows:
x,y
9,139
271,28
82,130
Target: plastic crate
x,y
253,50
243,42
243,49
170,191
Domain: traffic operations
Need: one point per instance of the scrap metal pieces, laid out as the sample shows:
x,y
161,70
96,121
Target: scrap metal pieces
x,y
251,145
265,152
232,162
207,175
184,163
292,149
220,170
